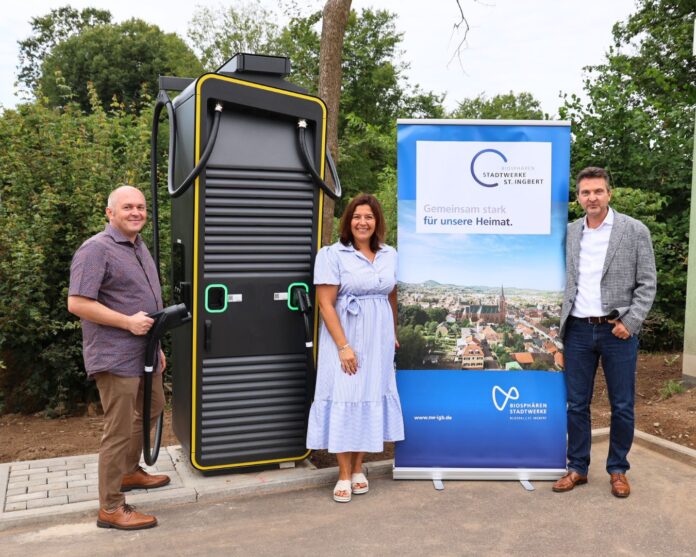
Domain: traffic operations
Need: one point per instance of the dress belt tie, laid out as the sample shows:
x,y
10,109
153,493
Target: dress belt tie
x,y
351,304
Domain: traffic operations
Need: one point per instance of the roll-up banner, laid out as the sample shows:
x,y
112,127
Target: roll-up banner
x,y
483,207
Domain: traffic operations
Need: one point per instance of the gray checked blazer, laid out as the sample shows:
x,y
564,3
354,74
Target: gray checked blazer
x,y
628,280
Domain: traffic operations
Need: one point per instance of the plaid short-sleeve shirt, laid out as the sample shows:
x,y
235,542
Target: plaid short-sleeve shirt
x,y
122,276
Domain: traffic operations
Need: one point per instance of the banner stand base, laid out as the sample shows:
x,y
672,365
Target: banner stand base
x,y
517,474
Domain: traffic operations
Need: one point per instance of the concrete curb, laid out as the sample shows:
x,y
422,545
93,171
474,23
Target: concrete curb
x,y
303,476
4,480
48,515
190,486
657,444
667,448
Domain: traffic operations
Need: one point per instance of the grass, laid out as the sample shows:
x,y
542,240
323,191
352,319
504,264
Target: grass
x,y
671,387
670,360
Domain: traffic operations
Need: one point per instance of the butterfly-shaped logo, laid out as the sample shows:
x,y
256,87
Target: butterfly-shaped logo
x,y
511,394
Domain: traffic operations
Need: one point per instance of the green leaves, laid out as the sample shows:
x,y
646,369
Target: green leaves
x,y
120,60
639,124
508,107
219,33
59,166
48,31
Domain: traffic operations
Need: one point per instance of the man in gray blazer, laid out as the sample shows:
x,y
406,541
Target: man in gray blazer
x,y
610,287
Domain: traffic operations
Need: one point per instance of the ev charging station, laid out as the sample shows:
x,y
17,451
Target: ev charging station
x,y
252,148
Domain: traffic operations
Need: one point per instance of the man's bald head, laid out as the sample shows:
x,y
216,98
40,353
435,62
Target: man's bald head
x,y
114,195
126,211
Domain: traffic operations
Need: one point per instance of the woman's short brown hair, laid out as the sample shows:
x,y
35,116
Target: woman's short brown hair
x,y
377,238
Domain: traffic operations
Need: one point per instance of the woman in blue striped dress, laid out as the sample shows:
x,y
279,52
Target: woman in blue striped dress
x,y
356,406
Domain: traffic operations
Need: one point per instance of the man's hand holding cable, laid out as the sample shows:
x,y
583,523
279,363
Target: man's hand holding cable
x,y
139,323
349,362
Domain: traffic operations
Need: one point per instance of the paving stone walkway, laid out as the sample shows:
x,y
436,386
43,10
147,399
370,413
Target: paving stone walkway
x,y
61,481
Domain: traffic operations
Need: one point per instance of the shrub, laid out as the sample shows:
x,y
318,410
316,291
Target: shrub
x,y
58,167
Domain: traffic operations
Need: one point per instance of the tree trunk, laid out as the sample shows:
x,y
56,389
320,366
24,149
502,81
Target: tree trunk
x,y
334,20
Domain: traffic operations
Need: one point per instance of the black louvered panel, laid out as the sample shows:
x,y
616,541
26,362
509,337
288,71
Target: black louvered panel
x,y
253,407
275,412
255,175
258,223
254,452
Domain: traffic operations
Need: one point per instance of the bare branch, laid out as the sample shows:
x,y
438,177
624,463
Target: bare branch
x,y
462,25
457,27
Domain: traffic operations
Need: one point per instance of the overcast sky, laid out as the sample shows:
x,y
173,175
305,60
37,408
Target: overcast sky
x,y
539,46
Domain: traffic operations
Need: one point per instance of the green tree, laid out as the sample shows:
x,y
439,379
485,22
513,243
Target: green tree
x,y
508,106
513,341
502,355
412,315
219,33
58,168
412,348
300,42
104,55
638,123
48,31
437,314
371,87
541,365
386,194
375,93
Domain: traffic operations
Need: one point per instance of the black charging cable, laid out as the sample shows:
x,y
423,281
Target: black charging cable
x,y
165,319
163,101
302,301
173,316
307,161
151,353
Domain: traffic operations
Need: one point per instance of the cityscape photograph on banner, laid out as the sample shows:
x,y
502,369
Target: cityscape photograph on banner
x,y
481,285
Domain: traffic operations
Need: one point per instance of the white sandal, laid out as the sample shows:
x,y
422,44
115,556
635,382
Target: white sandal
x,y
342,485
359,479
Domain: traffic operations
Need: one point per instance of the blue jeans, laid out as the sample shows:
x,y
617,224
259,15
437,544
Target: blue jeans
x,y
584,345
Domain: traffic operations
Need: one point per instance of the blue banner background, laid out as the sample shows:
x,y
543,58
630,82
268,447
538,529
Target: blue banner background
x,y
478,435
450,419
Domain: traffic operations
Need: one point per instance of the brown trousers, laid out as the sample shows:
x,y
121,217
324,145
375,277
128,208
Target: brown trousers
x,y
122,442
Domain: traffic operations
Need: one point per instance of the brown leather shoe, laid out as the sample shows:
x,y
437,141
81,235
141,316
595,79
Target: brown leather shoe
x,y
142,480
569,481
125,517
619,485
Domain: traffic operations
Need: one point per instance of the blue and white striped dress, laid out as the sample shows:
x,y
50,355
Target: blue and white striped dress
x,y
357,412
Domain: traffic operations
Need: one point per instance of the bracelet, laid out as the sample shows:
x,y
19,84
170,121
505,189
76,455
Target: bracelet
x,y
342,348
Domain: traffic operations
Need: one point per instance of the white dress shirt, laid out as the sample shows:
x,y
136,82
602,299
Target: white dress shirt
x,y
593,252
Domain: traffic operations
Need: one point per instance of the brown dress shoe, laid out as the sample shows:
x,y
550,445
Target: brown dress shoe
x,y
569,481
142,480
619,485
125,517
